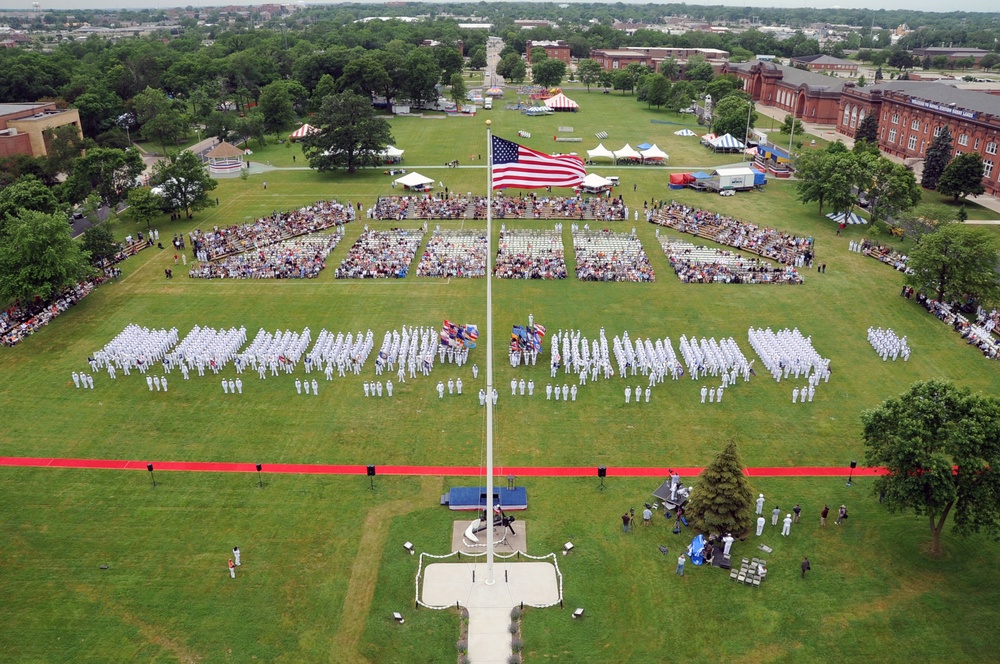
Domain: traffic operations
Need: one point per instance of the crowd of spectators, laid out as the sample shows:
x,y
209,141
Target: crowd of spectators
x,y
454,254
381,254
530,255
397,208
301,258
20,320
975,333
881,253
279,226
606,256
766,242
704,265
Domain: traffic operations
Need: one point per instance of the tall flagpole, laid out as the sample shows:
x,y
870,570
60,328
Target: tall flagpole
x,y
489,355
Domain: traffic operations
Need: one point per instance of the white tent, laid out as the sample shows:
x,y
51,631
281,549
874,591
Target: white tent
x,y
391,152
847,218
600,152
595,181
561,102
727,142
654,154
413,180
627,152
684,132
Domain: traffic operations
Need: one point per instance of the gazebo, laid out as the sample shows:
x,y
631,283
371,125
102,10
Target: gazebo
x,y
225,159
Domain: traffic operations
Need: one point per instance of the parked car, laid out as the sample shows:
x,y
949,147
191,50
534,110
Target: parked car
x,y
689,109
727,192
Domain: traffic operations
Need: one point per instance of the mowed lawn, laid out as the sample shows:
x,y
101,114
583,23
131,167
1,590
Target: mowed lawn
x,y
323,565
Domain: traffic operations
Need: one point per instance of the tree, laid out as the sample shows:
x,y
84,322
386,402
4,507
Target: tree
x,y
477,58
184,182
938,155
458,89
512,68
829,177
450,61
940,445
99,242
28,193
144,206
670,69
989,61
862,81
682,94
276,106
868,129
900,59
790,125
424,74
890,188
589,72
159,120
963,176
722,86
698,69
250,125
109,172
350,134
957,261
730,115
65,145
548,72
722,499
620,80
657,90
38,258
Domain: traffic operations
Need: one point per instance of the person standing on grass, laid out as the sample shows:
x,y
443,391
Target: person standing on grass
x,y
805,567
236,555
761,522
647,515
822,515
760,503
626,519
795,513
775,515
232,569
842,515
680,565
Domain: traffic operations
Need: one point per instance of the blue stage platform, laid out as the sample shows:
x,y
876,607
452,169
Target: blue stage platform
x,y
465,498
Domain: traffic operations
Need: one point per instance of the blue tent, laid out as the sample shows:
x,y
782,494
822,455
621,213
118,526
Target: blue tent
x,y
643,146
701,175
695,548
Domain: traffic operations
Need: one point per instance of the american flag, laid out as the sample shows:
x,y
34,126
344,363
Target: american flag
x,y
517,166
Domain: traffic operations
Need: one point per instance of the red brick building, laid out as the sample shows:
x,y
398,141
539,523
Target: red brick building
x,y
827,63
620,58
809,96
911,113
555,50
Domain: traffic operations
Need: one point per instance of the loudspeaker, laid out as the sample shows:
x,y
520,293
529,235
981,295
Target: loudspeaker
x,y
371,471
149,467
602,471
258,467
854,464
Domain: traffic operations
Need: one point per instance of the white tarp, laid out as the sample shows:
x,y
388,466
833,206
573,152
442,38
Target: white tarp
x,y
684,132
392,152
654,153
600,152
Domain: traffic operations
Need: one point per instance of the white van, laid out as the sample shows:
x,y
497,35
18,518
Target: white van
x,y
488,103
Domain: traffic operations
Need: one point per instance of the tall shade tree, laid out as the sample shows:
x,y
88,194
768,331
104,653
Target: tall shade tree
x,y
722,499
458,89
730,116
99,243
277,106
423,75
109,172
159,120
184,183
589,72
956,261
890,187
350,134
38,258
938,155
963,176
27,193
144,206
657,90
548,72
941,447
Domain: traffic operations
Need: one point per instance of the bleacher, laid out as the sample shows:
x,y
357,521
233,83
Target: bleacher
x,y
530,254
701,264
606,256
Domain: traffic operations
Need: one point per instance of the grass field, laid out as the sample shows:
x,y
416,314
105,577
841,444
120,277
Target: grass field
x,y
323,565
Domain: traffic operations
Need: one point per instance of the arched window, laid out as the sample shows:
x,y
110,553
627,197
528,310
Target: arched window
x,y
861,116
847,114
854,117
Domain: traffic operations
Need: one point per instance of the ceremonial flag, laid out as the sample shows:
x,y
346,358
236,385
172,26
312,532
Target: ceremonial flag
x,y
539,330
517,166
472,332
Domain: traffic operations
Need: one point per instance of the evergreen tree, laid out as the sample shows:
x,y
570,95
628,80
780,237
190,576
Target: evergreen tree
x,y
938,156
722,499
868,129
963,176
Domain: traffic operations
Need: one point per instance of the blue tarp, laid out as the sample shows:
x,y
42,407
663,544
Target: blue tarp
x,y
701,175
759,178
695,548
643,146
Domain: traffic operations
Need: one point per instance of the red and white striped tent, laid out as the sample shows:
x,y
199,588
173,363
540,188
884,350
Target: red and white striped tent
x,y
302,132
561,102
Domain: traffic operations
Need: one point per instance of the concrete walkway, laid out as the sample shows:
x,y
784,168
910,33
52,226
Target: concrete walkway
x,y
489,605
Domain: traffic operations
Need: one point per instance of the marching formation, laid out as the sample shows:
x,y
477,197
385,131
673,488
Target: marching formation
x,y
888,344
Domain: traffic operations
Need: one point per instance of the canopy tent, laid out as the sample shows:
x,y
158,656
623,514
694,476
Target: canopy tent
x,y
494,92
643,146
413,180
843,218
392,153
701,175
600,152
680,180
561,102
654,153
627,152
684,132
302,132
594,183
727,142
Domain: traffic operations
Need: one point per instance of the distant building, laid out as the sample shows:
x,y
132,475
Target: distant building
x,y
527,25
912,113
620,58
827,63
809,96
956,53
21,127
555,50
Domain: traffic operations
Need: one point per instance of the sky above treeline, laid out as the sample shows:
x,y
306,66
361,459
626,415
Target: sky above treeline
x,y
917,5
